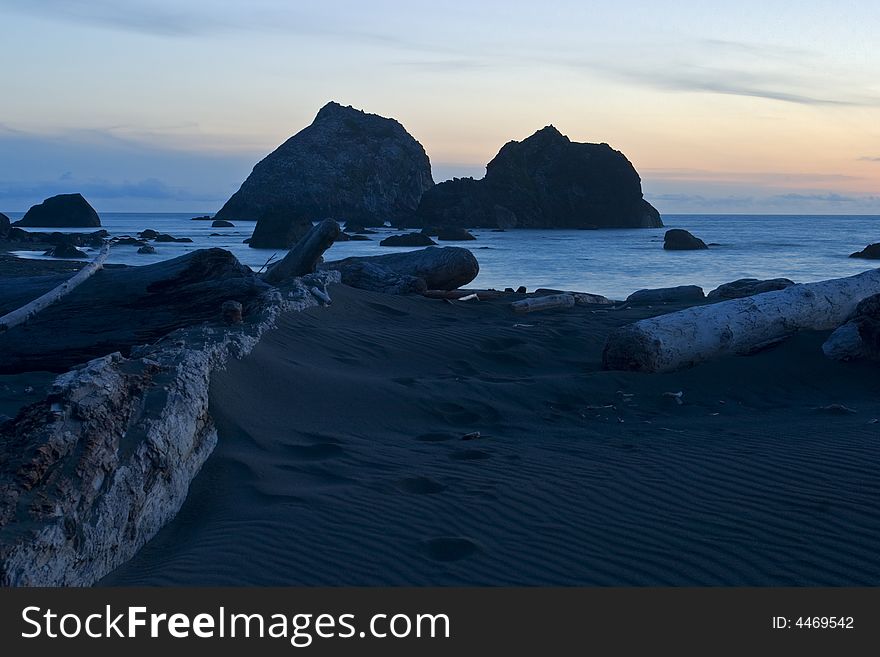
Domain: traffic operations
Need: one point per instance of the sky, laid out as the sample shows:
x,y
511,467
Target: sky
x,y
153,106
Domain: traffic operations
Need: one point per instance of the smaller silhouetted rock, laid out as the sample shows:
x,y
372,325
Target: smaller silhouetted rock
x,y
746,287
62,210
870,252
678,239
521,289
5,225
279,228
359,238
163,237
16,234
222,223
148,234
352,227
454,234
147,249
667,294
65,250
204,217
409,239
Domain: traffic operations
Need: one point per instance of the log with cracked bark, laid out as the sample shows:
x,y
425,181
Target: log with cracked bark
x,y
116,309
739,326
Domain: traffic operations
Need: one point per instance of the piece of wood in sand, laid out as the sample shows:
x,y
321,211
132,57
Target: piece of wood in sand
x,y
23,314
304,257
738,326
549,302
116,309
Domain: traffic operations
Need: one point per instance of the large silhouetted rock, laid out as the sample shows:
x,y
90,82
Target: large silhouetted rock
x,y
545,181
346,165
5,224
64,210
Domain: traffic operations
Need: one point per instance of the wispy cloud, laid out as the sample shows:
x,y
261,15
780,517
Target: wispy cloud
x,y
750,177
869,158
147,189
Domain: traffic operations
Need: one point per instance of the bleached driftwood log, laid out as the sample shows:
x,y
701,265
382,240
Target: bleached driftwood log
x,y
534,304
305,256
738,326
23,314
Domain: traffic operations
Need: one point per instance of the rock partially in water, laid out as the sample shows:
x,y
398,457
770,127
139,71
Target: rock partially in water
x,y
678,239
279,228
408,239
63,210
220,223
870,252
545,181
65,250
746,287
346,165
667,294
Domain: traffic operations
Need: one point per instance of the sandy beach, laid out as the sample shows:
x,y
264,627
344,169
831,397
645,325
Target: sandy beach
x,y
343,460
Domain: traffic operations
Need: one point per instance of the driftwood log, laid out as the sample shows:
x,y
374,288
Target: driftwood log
x,y
116,309
441,268
304,257
23,314
549,302
738,326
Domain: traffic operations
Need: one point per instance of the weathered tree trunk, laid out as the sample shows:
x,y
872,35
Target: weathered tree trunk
x,y
443,268
116,309
859,338
304,257
738,326
549,302
23,314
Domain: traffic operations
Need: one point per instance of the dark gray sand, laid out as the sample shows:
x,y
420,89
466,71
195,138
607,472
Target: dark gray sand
x,y
341,459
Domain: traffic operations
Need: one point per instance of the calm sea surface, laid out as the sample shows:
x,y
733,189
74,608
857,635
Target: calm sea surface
x,y
609,262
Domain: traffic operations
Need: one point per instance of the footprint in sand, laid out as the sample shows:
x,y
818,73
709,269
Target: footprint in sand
x,y
449,548
315,452
470,455
386,310
420,486
436,437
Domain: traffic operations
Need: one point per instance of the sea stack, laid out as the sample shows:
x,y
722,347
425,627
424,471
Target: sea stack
x,y
545,181
62,211
347,165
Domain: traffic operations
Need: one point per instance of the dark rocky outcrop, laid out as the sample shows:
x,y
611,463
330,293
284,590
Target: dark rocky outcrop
x,y
128,241
746,287
678,239
5,225
357,228
163,237
870,252
148,234
667,294
346,165
220,223
545,181
279,228
358,238
408,239
64,210
65,250
443,268
453,234
147,249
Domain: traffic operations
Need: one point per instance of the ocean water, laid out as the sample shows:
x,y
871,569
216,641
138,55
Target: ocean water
x,y
614,263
